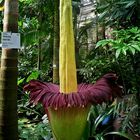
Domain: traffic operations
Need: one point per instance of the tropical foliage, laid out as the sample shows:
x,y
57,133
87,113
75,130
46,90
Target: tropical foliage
x,y
119,12
117,21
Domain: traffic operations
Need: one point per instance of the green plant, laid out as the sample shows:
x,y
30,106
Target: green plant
x,y
112,12
125,41
25,109
30,124
34,130
95,66
129,115
101,122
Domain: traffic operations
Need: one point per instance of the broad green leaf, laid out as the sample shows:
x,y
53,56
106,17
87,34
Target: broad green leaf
x,y
103,15
130,4
102,43
100,118
104,6
124,49
20,81
118,51
137,47
132,50
134,30
33,75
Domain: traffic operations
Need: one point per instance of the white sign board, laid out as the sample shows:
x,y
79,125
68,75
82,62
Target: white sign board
x,y
10,40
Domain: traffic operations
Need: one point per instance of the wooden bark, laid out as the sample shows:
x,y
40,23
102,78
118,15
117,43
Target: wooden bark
x,y
8,77
56,43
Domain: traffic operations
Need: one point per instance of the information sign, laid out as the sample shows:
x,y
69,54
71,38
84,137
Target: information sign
x,y
10,40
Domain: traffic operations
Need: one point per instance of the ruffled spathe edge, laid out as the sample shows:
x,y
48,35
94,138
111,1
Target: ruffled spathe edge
x,y
48,94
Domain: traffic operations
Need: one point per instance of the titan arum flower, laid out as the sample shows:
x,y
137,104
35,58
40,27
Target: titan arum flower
x,y
67,105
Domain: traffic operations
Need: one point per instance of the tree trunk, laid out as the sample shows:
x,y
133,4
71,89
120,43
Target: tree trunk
x,y
39,58
103,30
56,43
96,28
8,77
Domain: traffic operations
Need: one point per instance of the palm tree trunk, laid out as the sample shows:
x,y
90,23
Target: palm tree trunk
x,y
56,43
8,77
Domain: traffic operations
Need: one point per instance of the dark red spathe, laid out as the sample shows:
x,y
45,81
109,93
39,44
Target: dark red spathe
x,y
48,94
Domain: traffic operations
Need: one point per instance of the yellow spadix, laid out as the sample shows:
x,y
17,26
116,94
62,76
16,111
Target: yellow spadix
x,y
67,65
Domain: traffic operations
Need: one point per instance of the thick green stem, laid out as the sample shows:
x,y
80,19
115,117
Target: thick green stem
x,y
8,77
